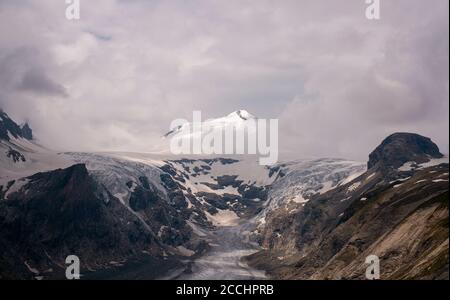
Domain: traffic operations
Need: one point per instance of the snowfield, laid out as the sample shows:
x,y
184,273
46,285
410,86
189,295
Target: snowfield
x,y
304,178
290,182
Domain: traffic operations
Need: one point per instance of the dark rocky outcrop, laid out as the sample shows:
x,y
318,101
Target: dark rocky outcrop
x,y
165,218
230,180
141,198
400,148
9,128
65,212
15,155
27,133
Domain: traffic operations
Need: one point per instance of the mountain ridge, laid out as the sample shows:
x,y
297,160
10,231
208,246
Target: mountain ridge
x,y
399,214
168,213
401,147
9,128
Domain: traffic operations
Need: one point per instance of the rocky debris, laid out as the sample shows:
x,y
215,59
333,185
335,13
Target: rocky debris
x,y
27,133
209,161
170,170
142,197
167,219
223,161
15,155
168,181
186,204
400,148
276,170
213,186
253,192
228,180
218,201
224,192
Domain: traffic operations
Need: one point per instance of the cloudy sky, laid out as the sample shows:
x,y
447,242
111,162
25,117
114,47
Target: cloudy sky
x,y
116,78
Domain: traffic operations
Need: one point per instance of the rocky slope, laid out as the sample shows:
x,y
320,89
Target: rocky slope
x,y
112,209
107,212
397,210
54,214
131,215
9,129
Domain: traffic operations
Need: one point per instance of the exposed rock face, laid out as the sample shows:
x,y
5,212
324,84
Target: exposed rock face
x,y
64,212
27,133
402,218
400,148
15,155
167,220
9,128
211,193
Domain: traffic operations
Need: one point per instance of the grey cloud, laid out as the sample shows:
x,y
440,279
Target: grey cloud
x,y
35,81
117,78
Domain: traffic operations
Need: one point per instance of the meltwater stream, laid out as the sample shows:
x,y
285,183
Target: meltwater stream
x,y
223,261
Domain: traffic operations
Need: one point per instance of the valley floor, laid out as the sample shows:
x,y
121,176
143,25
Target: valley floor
x,y
223,262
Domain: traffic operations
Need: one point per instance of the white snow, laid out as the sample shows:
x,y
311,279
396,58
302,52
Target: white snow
x,y
440,180
16,187
196,229
327,186
407,166
161,230
38,159
401,179
189,203
31,269
370,176
435,162
299,199
184,251
419,181
114,172
356,174
241,121
123,197
354,186
343,200
245,168
411,165
223,218
306,177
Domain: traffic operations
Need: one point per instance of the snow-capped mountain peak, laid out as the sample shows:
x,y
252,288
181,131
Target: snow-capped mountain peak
x,y
235,118
242,114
